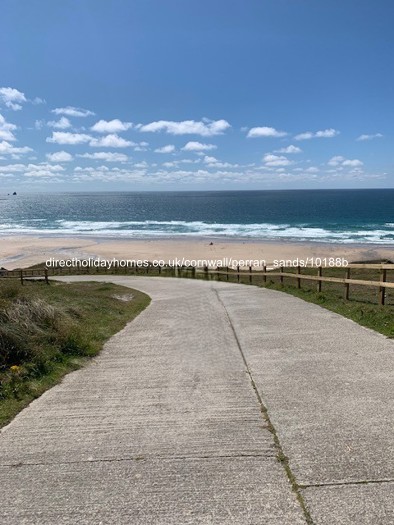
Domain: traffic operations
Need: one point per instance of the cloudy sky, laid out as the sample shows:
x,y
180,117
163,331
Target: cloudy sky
x,y
196,94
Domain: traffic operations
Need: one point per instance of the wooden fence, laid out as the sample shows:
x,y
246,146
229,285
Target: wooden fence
x,y
208,273
22,275
382,284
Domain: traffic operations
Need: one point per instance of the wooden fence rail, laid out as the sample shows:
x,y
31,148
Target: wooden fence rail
x,y
207,273
22,275
382,284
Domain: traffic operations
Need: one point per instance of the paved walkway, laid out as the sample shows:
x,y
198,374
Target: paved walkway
x,y
168,426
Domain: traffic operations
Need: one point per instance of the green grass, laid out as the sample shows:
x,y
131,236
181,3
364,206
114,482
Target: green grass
x,y
48,331
362,306
89,315
368,314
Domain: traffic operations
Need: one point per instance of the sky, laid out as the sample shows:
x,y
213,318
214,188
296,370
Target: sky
x,y
131,95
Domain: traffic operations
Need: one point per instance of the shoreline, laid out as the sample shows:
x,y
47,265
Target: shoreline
x,y
22,251
186,238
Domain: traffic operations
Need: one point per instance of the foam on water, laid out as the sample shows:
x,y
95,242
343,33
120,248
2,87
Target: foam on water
x,y
157,229
341,216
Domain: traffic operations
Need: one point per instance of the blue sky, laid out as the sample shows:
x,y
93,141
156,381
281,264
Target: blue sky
x,y
184,94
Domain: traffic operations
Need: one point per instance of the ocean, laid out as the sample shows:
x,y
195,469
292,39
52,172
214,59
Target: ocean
x,y
332,216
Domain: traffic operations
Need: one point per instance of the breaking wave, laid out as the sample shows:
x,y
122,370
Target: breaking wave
x,y
373,234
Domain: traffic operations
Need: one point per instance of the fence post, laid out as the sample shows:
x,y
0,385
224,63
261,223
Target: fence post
x,y
319,274
265,273
238,276
193,272
21,277
227,276
46,275
298,279
206,272
347,285
382,289
250,275
281,277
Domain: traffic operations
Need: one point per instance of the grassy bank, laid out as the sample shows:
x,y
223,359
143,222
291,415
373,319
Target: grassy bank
x,y
362,306
47,331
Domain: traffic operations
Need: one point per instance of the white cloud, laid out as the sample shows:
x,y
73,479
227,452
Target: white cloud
x,y
12,98
175,163
325,134
336,161
265,131
12,168
305,136
59,156
210,160
104,174
90,169
370,137
33,170
352,163
198,146
111,141
71,111
62,123
111,126
341,161
106,156
6,129
170,148
8,149
37,101
213,162
205,128
64,137
141,146
39,124
43,170
142,164
275,160
289,149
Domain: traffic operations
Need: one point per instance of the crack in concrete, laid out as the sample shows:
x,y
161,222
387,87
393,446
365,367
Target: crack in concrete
x,y
282,458
345,483
135,458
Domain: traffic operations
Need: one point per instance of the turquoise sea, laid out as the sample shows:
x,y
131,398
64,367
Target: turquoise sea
x,y
333,216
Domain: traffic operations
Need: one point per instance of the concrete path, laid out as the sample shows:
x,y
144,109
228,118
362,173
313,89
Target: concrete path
x,y
184,415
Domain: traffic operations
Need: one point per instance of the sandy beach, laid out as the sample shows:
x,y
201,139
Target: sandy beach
x,y
20,252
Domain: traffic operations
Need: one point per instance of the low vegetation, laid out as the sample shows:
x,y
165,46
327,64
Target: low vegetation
x,y
47,331
362,307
